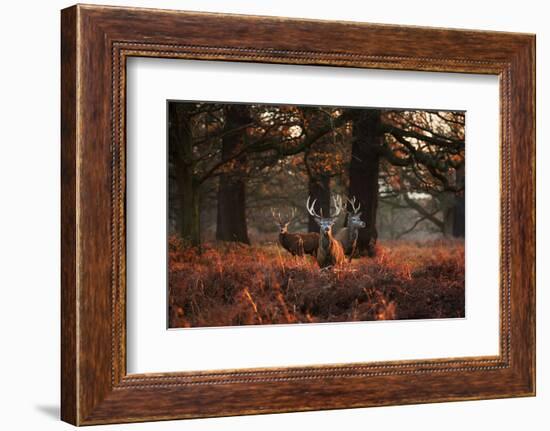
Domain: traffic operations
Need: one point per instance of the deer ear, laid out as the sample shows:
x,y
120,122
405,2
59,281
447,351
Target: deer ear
x,y
359,214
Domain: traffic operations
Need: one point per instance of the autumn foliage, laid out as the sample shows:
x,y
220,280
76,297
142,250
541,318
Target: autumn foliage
x,y
227,284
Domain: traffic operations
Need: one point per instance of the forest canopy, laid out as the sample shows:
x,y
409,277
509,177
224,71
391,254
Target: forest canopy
x,y
230,164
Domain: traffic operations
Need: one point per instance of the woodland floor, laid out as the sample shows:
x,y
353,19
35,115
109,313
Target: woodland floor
x,y
231,284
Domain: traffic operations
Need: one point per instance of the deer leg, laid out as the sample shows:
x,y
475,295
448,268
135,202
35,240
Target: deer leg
x,y
352,253
300,247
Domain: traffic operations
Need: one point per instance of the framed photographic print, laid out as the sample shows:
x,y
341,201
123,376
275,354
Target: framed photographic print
x,y
258,216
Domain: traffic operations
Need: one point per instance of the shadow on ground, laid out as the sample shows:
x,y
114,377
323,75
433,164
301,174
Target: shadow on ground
x,y
52,411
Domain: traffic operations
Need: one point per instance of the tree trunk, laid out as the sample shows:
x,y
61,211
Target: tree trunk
x,y
455,215
319,188
231,220
183,186
190,211
459,221
363,175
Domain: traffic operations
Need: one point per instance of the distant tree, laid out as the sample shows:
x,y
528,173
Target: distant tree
x,y
233,143
364,173
222,148
184,182
323,158
231,224
428,144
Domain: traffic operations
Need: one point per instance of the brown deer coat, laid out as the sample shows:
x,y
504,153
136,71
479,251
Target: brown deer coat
x,y
300,243
330,252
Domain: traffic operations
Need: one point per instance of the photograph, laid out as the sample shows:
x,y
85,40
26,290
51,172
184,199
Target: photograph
x,y
285,214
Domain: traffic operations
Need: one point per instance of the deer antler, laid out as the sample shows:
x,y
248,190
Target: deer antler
x,y
277,216
352,202
292,214
338,205
311,208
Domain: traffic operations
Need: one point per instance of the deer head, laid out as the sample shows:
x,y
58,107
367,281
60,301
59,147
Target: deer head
x,y
283,223
354,217
325,223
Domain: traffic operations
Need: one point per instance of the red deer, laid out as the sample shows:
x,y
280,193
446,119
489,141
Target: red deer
x,y
296,243
330,251
348,235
